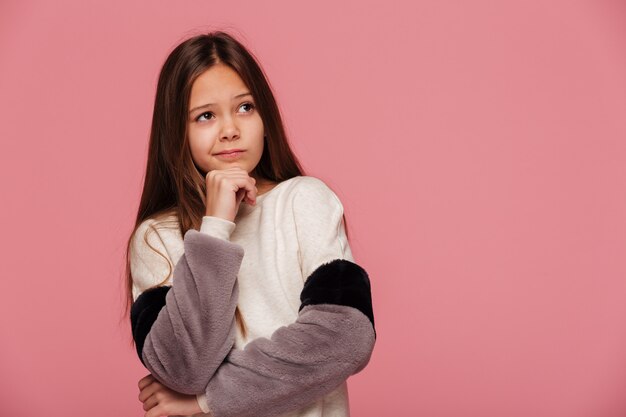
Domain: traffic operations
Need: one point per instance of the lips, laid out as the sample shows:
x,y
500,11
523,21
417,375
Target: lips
x,y
229,151
230,155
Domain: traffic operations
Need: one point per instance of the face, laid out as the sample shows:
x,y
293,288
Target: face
x,y
223,116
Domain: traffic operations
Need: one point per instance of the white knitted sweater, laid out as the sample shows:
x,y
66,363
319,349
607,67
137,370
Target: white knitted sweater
x,y
293,228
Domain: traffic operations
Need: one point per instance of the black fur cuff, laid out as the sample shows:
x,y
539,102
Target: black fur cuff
x,y
144,312
342,282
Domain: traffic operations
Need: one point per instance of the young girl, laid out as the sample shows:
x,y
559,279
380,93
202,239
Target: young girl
x,y
277,331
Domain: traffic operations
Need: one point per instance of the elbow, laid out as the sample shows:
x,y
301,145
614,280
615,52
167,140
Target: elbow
x,y
144,312
366,339
354,339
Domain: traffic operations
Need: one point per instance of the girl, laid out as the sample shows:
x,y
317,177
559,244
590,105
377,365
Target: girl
x,y
277,331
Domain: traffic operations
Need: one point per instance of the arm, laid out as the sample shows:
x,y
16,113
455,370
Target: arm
x,y
332,338
184,331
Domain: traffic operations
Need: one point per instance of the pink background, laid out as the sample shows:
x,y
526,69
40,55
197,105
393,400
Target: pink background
x,y
479,149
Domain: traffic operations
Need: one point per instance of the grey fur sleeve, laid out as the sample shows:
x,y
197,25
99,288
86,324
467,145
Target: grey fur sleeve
x,y
332,338
184,332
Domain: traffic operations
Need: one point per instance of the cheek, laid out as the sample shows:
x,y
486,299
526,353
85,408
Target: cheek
x,y
200,143
194,148
256,130
259,123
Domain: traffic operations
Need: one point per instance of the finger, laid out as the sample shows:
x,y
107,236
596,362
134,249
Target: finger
x,y
251,195
240,195
237,180
155,412
232,172
232,180
148,391
146,380
246,186
218,174
150,403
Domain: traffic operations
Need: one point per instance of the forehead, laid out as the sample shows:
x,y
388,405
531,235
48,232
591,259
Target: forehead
x,y
218,83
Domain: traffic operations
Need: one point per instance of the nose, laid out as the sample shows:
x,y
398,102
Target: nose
x,y
229,130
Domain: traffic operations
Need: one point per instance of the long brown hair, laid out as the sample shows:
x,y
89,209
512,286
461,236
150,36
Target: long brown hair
x,y
173,184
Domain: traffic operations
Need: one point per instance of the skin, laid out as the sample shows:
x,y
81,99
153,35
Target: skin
x,y
219,120
229,122
159,400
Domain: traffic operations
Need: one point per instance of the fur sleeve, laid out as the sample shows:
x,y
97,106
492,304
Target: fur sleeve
x,y
332,338
184,332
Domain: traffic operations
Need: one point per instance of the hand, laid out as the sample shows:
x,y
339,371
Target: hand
x,y
226,188
159,400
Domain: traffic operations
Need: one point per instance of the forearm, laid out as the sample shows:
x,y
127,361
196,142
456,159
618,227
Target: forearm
x,y
184,333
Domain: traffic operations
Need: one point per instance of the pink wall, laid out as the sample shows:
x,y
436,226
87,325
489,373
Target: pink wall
x,y
479,149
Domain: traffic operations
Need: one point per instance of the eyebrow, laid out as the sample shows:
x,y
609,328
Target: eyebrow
x,y
210,104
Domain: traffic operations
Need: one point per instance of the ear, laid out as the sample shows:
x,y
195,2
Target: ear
x,y
144,312
342,282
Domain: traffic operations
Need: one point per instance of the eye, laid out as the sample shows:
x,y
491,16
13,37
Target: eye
x,y
198,118
251,105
